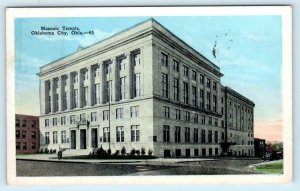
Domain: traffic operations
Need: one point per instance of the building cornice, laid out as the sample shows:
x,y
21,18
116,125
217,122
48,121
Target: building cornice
x,y
237,95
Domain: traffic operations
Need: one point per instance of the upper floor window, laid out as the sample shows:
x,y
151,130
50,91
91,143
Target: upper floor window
x,y
185,70
164,59
201,79
167,112
166,133
54,121
177,114
134,111
63,120
194,75
85,75
83,117
121,63
214,85
72,119
17,122
105,115
176,65
164,85
136,59
208,83
122,88
187,116
176,89
136,85
107,67
46,122
185,92
119,113
23,123
93,116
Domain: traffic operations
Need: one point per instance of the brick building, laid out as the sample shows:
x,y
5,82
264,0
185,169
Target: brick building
x,y
27,134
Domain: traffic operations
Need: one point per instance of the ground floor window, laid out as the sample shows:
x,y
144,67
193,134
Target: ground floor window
x,y
167,153
178,152
216,151
187,152
210,151
196,152
33,145
203,152
24,146
18,147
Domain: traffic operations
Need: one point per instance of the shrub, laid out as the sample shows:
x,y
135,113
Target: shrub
x,y
101,152
42,151
123,150
46,151
117,153
138,152
143,151
54,151
132,152
50,151
38,151
150,152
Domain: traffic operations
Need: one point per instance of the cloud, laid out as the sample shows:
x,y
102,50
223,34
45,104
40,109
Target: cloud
x,y
254,37
269,130
83,40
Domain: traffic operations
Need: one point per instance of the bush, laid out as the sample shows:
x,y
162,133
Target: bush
x,y
117,153
109,151
123,151
46,151
143,151
38,151
138,152
54,151
42,151
50,151
132,152
101,152
150,152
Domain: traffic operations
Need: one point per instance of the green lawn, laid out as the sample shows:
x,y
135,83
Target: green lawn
x,y
272,168
110,157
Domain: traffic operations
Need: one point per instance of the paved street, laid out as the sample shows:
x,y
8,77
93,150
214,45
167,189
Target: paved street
x,y
202,167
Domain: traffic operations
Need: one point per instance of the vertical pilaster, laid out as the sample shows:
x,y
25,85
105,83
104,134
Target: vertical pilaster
x,y
61,93
129,76
91,87
69,94
53,95
115,76
103,83
80,93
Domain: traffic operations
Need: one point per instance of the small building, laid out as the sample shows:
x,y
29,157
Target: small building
x,y
259,147
27,134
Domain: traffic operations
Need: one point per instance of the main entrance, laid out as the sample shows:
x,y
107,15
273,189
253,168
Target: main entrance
x,y
94,141
73,139
82,139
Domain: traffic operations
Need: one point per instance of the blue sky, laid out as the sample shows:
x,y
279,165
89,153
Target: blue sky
x,y
248,52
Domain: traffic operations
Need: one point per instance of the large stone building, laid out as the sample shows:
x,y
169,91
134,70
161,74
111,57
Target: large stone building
x,y
143,87
27,134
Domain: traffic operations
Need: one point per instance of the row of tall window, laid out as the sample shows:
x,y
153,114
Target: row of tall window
x,y
63,137
24,146
54,96
211,99
186,116
186,131
164,61
24,134
24,122
119,113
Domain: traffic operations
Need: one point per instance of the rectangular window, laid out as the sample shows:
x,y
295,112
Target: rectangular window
x,y
164,85
107,67
208,83
201,98
63,137
214,85
136,85
122,88
106,134
17,134
105,115
72,119
109,90
210,136
136,59
96,71
121,64
93,116
47,140
187,135
17,122
24,146
187,116
23,123
46,122
194,96
194,75
85,75
166,112
24,134
54,137
185,92
33,135
177,114
134,111
216,137
75,98
65,100
135,133
185,70
82,117
54,121
176,65
75,78
119,113
214,103
209,120
177,134
176,89
208,104
196,135
33,145
85,96
196,118
203,119
201,79
216,122
203,136
97,94
63,120
164,60
166,133
120,134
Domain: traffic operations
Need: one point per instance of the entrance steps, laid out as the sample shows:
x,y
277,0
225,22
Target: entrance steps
x,y
74,152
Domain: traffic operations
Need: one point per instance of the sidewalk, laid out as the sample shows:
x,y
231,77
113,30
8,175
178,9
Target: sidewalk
x,y
161,161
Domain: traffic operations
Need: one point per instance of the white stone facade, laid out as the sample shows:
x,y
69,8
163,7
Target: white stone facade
x,y
142,78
